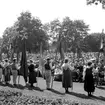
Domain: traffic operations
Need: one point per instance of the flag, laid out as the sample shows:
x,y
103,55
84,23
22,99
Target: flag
x,y
41,61
61,50
102,43
23,63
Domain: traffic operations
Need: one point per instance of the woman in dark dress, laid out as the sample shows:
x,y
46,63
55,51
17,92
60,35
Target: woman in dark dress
x,y
67,76
88,79
32,73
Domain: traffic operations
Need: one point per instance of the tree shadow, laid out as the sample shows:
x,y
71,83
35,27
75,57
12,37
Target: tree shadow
x,y
57,92
35,88
79,95
1,84
99,87
6,85
19,86
98,98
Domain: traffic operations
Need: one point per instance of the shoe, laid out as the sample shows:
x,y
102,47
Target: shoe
x,y
15,85
32,86
48,89
7,83
67,91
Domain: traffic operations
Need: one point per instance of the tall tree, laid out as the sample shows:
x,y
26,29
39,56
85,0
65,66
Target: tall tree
x,y
33,30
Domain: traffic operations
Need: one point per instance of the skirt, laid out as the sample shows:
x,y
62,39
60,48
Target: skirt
x,y
89,83
67,79
32,77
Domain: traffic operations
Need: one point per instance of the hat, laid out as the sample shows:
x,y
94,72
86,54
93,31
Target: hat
x,y
14,58
89,63
6,60
48,58
31,60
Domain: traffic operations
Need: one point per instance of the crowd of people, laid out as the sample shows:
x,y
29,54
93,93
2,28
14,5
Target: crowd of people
x,y
86,73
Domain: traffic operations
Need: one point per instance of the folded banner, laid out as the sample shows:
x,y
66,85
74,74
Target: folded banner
x,y
23,63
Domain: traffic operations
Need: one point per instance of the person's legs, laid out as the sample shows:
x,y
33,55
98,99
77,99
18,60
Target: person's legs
x,y
88,93
31,84
48,79
67,90
14,72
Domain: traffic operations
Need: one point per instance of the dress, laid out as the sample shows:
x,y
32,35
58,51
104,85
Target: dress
x,y
7,73
14,72
67,76
89,81
32,74
48,74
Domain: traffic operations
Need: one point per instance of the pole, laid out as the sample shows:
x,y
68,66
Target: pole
x,y
37,77
18,79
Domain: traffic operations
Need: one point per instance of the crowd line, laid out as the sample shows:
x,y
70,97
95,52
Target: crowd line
x,y
89,72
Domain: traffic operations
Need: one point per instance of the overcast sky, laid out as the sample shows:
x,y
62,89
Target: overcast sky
x,y
48,10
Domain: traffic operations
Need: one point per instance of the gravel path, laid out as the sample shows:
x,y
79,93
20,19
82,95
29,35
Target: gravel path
x,y
78,94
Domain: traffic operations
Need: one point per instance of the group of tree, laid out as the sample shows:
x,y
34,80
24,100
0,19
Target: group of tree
x,y
72,34
27,27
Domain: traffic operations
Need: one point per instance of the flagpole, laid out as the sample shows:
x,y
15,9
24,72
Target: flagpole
x,y
24,68
101,45
40,64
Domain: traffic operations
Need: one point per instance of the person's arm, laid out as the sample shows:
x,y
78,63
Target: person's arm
x,y
84,72
52,67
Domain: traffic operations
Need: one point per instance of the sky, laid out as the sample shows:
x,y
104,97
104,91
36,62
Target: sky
x,y
48,10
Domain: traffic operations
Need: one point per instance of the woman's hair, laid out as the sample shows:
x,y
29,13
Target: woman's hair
x,y
14,60
66,60
89,63
6,60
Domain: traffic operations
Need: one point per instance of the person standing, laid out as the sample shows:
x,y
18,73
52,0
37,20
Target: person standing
x,y
7,72
80,68
14,67
1,72
48,68
88,79
52,73
32,73
67,76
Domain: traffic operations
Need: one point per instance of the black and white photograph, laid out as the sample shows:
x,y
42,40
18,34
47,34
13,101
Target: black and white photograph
x,y
52,52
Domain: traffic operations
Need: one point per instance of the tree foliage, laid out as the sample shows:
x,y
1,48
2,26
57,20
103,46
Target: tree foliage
x,y
70,32
28,26
96,2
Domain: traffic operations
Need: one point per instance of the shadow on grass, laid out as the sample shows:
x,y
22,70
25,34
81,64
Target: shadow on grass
x,y
87,97
57,92
35,88
6,85
99,87
79,95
